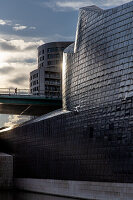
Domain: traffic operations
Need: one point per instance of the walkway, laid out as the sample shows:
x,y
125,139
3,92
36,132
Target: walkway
x,y
22,102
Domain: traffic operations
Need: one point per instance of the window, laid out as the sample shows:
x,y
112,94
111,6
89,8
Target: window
x,y
53,49
51,56
35,76
42,58
53,62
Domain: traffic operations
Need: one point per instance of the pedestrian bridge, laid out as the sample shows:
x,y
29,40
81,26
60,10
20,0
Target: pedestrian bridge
x,y
22,102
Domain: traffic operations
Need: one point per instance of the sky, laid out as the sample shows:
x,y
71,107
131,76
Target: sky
x,y
26,24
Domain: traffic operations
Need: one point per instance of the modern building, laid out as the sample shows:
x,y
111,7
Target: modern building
x,y
89,143
47,79
34,81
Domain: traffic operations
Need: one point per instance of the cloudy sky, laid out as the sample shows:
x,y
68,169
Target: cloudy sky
x,y
26,24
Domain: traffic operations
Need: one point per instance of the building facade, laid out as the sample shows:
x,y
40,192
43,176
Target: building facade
x,y
34,81
47,79
91,139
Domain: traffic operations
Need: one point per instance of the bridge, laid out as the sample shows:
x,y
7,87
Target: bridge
x,y
22,102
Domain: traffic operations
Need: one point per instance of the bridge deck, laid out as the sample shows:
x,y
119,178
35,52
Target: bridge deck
x,y
27,104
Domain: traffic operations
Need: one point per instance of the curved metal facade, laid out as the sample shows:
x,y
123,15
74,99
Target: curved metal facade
x,y
100,71
94,141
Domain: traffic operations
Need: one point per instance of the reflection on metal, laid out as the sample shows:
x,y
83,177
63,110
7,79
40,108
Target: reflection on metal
x,y
3,129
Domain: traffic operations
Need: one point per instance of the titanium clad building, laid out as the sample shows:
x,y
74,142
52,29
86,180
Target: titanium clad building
x,y
47,79
91,139
98,70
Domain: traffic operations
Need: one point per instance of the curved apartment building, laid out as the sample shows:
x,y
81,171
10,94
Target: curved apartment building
x,y
47,79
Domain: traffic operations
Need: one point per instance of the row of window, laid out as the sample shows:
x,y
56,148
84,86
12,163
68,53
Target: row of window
x,y
41,65
50,63
55,49
34,89
52,88
34,76
52,68
41,52
53,82
52,56
52,75
54,62
52,94
34,83
41,58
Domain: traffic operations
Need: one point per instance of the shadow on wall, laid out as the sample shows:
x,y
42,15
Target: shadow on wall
x,y
5,147
28,196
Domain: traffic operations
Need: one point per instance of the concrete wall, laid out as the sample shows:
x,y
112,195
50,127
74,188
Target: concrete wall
x,y
6,171
78,189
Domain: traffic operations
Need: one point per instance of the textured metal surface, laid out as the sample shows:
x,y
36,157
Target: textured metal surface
x,y
100,71
94,142
74,147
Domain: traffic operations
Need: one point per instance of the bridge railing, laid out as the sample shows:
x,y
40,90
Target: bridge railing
x,y
14,91
25,92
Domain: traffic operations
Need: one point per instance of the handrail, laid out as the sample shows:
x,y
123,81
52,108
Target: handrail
x,y
26,92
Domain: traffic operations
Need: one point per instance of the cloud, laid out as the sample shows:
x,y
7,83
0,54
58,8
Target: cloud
x,y
16,119
6,69
59,37
30,60
18,45
21,60
15,27
76,4
23,45
7,46
19,80
19,27
32,27
5,22
114,3
20,55
73,5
